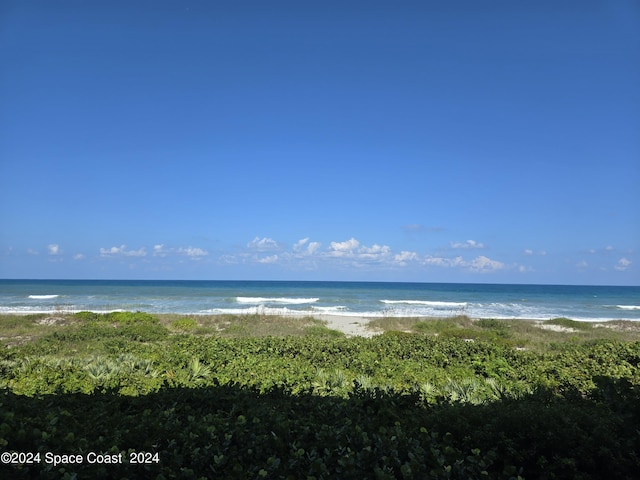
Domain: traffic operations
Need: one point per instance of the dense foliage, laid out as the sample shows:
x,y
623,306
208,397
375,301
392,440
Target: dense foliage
x,y
397,405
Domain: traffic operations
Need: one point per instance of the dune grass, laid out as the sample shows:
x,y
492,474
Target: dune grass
x,y
254,325
18,329
533,335
529,334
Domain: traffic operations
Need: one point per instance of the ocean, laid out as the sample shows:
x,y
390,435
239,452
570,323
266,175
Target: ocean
x,y
361,299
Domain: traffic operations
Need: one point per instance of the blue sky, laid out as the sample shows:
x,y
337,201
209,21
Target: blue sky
x,y
402,141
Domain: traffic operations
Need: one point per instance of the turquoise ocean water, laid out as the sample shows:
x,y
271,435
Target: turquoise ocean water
x,y
370,299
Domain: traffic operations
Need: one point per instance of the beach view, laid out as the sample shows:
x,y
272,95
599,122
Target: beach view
x,y
337,240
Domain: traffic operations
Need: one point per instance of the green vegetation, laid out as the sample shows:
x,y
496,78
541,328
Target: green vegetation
x,y
269,397
569,324
540,336
184,324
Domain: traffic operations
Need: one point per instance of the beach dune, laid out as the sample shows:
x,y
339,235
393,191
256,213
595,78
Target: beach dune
x,y
350,326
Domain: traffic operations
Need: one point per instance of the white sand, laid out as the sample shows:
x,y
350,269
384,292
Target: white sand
x,y
555,328
350,326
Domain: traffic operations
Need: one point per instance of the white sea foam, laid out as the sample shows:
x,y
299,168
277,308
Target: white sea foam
x,y
330,310
628,307
43,297
426,303
257,310
348,313
20,310
50,310
285,300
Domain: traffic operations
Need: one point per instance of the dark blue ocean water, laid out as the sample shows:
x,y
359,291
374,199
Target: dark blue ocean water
x,y
370,299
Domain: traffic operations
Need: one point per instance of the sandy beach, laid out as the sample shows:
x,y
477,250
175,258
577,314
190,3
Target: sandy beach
x,y
350,326
358,326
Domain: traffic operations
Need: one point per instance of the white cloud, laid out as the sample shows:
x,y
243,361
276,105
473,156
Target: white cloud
x,y
404,257
54,249
299,244
609,248
79,256
528,252
375,249
485,264
438,261
263,244
112,250
31,251
193,252
375,252
582,264
478,264
352,249
269,259
352,253
622,264
343,248
444,262
313,247
122,251
467,244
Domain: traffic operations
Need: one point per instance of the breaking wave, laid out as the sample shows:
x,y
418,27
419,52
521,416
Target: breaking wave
x,y
283,300
426,303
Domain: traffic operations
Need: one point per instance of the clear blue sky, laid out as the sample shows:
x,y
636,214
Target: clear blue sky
x,y
403,141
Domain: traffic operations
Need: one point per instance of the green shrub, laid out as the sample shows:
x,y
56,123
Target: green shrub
x,y
141,332
131,317
568,323
117,317
490,323
88,316
184,324
322,331
440,325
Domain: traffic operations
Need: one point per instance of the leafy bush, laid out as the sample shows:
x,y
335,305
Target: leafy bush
x,y
490,323
397,405
235,431
568,323
322,331
131,317
143,332
442,325
185,324
88,316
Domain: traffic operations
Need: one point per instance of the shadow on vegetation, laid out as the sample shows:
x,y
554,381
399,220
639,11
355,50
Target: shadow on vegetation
x,y
235,431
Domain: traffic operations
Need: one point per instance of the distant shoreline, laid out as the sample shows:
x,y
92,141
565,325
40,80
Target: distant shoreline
x,y
360,326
